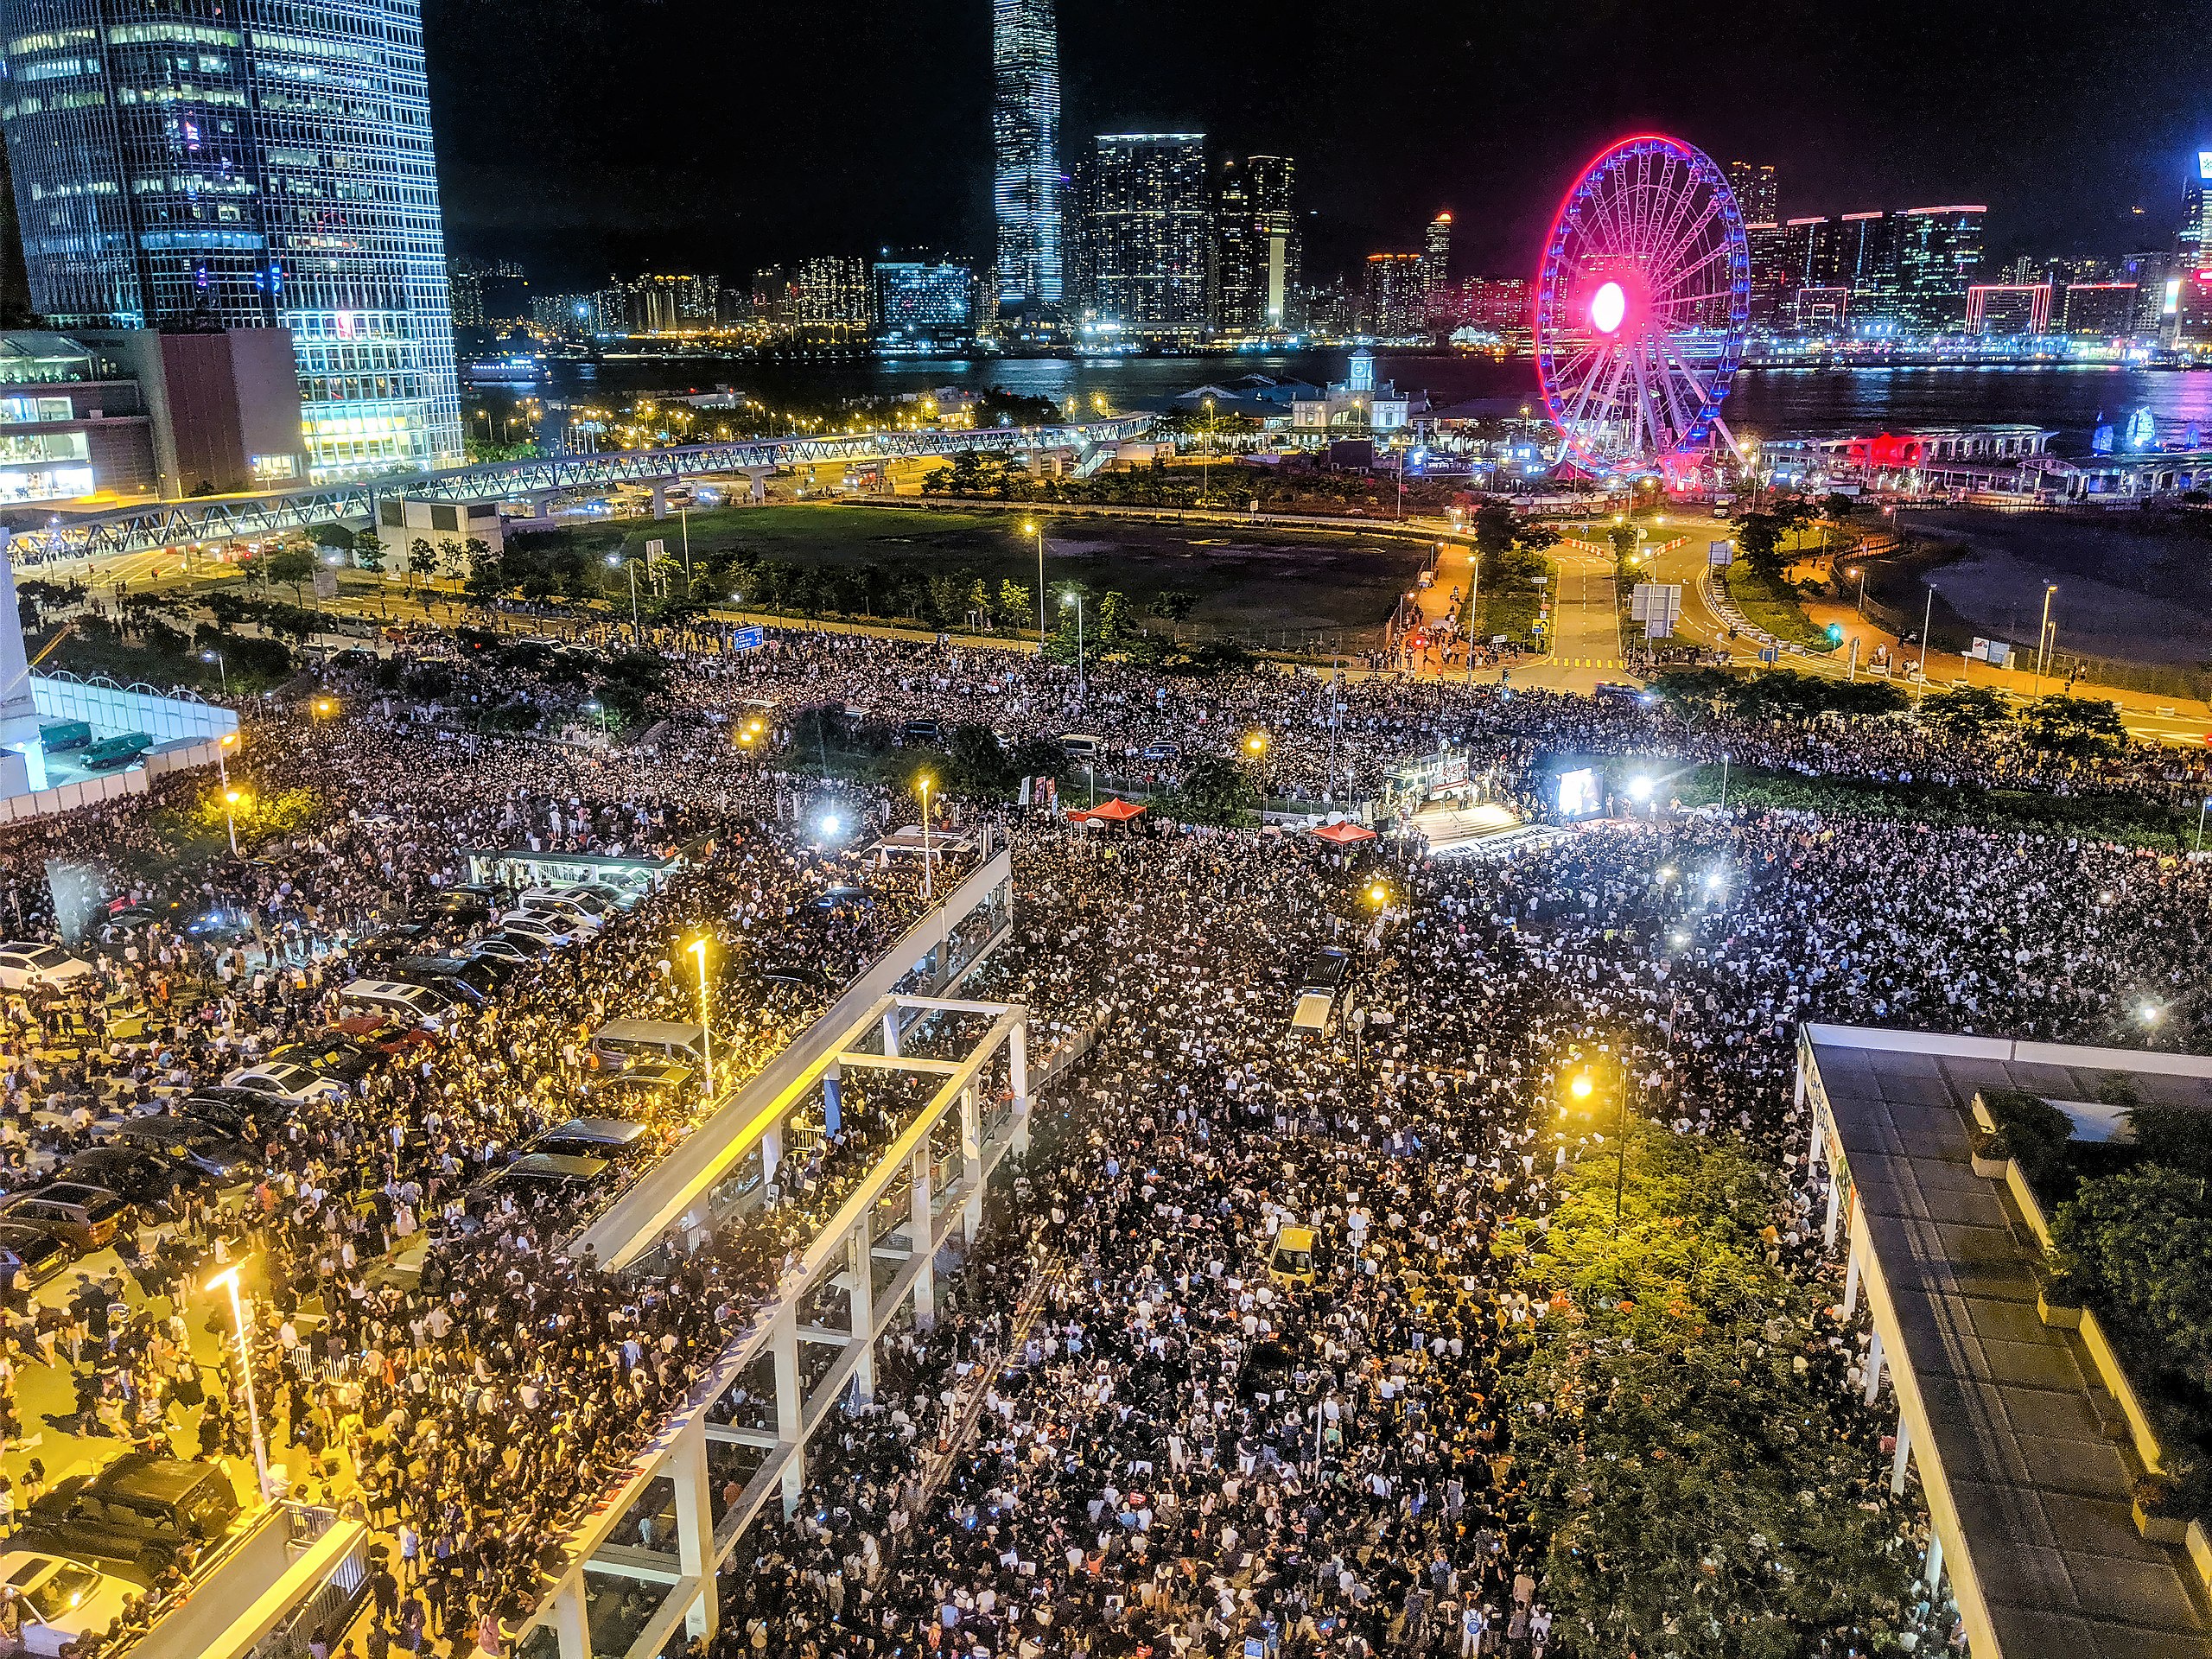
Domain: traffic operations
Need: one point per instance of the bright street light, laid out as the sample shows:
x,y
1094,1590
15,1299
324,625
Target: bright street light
x,y
1640,788
228,1279
698,948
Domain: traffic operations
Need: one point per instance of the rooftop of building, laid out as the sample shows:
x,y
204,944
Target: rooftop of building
x,y
2025,1458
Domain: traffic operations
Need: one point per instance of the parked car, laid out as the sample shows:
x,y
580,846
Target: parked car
x,y
230,1109
33,1251
555,932
578,913
220,1156
25,965
138,1513
339,1058
454,908
590,1137
287,1080
86,1216
520,949
144,1177
62,1600
484,977
383,1034
416,1004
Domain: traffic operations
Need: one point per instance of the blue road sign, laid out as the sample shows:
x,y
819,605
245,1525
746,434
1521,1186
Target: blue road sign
x,y
746,639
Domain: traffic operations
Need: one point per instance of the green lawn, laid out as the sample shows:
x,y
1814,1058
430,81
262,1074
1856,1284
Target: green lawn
x,y
1772,606
1512,598
1272,588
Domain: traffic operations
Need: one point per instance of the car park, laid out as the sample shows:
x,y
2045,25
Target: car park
x,y
286,1080
140,1513
25,965
62,1601
85,1216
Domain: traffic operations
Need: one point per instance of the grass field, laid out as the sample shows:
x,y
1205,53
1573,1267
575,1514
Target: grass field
x,y
1512,597
1772,606
1274,587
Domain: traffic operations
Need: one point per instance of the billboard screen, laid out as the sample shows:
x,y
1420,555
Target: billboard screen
x,y
1578,792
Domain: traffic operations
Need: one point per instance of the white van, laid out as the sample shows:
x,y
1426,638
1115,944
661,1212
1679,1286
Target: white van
x,y
412,1005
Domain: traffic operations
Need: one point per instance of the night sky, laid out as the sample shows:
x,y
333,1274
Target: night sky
x,y
591,137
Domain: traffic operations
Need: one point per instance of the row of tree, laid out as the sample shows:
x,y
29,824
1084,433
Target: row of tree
x,y
2083,728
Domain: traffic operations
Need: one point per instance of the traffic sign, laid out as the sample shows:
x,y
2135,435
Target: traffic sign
x,y
746,639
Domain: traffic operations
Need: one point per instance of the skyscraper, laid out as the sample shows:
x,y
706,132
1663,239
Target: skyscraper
x,y
1757,193
1436,257
1257,248
1939,254
1025,139
1150,232
2195,239
923,300
1391,306
256,163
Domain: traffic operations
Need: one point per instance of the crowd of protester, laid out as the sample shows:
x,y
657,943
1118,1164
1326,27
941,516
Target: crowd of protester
x,y
1123,1432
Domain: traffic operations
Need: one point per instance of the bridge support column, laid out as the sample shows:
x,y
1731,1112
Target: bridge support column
x,y
695,1526
1017,1060
891,1031
772,1152
571,1630
921,1227
757,479
971,1164
660,498
861,1291
1851,1281
1874,1368
791,1402
1904,1453
833,1098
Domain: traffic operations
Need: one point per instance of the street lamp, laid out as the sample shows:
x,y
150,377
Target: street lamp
x,y
1033,528
230,740
1582,1086
231,799
1076,600
929,880
228,1279
2042,633
595,707
1205,466
1860,572
222,673
637,629
698,948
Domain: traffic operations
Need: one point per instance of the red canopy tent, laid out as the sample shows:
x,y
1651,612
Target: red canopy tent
x,y
1344,833
1115,810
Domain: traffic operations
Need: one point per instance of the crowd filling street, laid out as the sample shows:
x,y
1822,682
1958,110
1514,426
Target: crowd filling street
x,y
1134,1424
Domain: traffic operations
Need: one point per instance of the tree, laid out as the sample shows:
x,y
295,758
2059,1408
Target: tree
x,y
975,762
1667,1439
421,561
979,601
2080,727
1965,711
335,536
293,566
1175,604
1214,789
478,556
368,550
1015,602
1758,538
2141,1241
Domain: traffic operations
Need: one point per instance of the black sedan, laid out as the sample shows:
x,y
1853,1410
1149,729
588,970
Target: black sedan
x,y
148,1179
36,1253
221,1157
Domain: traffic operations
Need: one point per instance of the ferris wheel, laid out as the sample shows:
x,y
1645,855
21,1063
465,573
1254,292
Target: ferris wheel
x,y
1642,305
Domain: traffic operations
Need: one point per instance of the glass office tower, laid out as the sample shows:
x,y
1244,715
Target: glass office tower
x,y
1025,137
246,163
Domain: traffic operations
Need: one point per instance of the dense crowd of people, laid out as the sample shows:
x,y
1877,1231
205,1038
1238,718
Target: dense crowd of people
x,y
1131,1428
